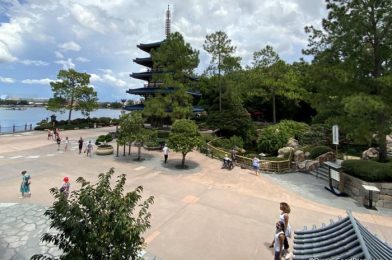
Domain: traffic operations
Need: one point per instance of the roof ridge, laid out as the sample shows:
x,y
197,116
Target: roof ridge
x,y
359,235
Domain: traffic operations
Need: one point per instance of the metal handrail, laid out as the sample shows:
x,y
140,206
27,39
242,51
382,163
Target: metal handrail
x,y
245,162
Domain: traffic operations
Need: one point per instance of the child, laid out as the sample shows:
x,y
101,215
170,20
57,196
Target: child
x,y
65,187
279,240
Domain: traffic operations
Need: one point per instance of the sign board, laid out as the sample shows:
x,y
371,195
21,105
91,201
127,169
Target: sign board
x,y
335,134
335,175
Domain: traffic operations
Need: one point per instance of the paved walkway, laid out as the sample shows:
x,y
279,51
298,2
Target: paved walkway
x,y
203,212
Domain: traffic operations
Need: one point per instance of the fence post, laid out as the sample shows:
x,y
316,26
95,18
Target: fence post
x,y
13,128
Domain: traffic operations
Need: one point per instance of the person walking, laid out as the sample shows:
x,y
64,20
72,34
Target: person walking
x,y
58,140
66,143
25,185
80,145
256,165
165,151
284,218
279,240
89,149
65,187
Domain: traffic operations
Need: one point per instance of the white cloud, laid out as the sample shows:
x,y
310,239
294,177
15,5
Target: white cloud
x,y
70,46
45,81
7,80
33,62
82,59
67,64
59,55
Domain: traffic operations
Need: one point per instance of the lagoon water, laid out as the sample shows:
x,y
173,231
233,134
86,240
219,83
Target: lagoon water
x,y
33,115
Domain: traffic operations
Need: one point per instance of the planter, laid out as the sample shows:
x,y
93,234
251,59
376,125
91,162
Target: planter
x,y
104,149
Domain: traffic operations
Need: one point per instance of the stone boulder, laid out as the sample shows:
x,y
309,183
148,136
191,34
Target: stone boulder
x,y
285,152
292,143
330,156
311,165
299,156
370,153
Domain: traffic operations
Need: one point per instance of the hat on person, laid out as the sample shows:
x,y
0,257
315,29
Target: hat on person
x,y
23,172
66,179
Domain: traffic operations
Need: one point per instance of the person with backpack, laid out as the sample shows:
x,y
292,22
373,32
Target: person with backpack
x,y
65,187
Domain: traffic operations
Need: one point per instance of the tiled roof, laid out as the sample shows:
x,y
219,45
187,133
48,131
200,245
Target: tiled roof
x,y
345,239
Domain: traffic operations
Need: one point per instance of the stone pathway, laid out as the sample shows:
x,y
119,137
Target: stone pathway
x,y
21,229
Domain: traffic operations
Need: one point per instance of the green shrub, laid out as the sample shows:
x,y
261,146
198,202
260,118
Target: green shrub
x,y
292,128
319,150
222,143
368,170
103,138
317,134
272,139
163,134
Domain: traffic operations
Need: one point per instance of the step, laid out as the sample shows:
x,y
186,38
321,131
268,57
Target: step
x,y
322,172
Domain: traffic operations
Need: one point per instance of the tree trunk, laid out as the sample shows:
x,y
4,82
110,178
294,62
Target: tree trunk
x,y
129,148
382,138
273,107
124,151
183,160
220,85
118,146
139,150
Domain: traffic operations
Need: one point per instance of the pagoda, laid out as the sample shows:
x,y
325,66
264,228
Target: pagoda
x,y
153,87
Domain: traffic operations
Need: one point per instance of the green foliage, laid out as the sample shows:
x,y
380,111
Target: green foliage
x,y
176,60
71,92
352,69
234,141
98,221
319,150
368,170
184,136
104,138
78,123
318,134
271,139
132,129
274,137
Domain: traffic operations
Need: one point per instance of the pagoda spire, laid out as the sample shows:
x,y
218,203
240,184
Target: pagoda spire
x,y
167,29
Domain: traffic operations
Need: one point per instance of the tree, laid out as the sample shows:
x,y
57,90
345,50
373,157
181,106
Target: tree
x,y
71,91
272,77
98,221
175,60
356,41
184,136
218,45
132,130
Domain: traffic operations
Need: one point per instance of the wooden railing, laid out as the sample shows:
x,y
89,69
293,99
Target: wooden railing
x,y
245,162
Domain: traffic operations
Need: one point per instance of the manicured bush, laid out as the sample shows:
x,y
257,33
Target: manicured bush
x,y
104,138
319,150
292,128
368,170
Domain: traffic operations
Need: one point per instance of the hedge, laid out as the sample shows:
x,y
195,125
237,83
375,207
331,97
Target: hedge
x,y
319,150
368,170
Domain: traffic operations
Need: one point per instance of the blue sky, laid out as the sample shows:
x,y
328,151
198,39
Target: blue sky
x,y
40,37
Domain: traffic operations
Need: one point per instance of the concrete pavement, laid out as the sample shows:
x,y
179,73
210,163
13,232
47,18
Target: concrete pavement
x,y
203,212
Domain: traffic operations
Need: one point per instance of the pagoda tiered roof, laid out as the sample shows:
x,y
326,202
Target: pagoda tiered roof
x,y
139,107
345,239
148,91
147,62
147,47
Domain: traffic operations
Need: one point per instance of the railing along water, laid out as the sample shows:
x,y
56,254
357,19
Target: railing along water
x,y
16,129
